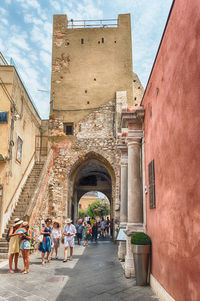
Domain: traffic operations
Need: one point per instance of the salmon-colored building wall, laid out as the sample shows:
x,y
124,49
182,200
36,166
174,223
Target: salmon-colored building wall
x,y
172,139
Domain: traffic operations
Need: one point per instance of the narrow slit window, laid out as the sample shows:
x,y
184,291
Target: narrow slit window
x,y
68,128
152,196
82,41
102,40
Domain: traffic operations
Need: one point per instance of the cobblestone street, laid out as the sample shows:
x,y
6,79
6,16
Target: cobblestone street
x,y
94,274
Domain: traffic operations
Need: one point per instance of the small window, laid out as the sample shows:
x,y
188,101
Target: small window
x,y
82,41
102,40
68,128
152,197
3,116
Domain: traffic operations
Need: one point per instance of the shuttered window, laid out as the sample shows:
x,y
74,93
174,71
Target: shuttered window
x,y
3,116
152,196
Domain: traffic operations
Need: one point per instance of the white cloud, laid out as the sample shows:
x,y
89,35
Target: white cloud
x,y
45,58
4,21
3,11
55,5
29,4
20,41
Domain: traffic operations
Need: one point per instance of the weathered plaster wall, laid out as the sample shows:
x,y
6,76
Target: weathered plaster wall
x,y
95,141
87,75
26,126
172,128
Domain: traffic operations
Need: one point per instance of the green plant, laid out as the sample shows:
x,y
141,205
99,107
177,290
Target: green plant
x,y
82,213
98,208
140,238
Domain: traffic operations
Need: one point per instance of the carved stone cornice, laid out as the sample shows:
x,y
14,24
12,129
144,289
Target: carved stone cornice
x,y
132,117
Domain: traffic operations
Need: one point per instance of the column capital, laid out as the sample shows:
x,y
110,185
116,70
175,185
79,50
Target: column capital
x,y
134,137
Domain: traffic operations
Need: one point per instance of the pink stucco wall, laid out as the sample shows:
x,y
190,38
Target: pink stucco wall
x,y
172,139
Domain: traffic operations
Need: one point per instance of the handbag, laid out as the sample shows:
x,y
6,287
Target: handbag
x,y
40,238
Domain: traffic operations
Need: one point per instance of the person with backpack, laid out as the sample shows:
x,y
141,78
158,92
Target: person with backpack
x,y
14,243
25,246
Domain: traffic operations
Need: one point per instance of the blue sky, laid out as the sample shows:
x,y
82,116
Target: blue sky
x,y
26,33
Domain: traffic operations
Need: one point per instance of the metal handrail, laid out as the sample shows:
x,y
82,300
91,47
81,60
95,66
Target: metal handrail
x,y
98,23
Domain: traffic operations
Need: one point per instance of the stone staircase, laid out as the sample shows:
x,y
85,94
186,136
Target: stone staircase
x,y
22,204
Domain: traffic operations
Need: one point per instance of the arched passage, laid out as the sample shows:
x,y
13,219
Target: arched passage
x,y
92,173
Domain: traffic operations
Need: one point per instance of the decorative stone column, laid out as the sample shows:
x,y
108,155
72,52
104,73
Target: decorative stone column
x,y
135,205
123,197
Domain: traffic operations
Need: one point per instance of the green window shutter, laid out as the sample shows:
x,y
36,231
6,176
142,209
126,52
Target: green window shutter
x,y
152,197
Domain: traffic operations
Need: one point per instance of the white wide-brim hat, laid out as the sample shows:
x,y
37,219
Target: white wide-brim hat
x,y
17,221
68,221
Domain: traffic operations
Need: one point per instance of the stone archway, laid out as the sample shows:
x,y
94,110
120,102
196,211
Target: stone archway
x,y
92,173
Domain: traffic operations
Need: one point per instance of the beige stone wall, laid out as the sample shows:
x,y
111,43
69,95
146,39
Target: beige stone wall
x,y
138,90
86,76
87,200
26,123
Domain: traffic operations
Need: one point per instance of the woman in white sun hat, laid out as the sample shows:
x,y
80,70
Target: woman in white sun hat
x,y
69,231
14,235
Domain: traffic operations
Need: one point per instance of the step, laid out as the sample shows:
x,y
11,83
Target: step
x,y
4,244
3,256
2,239
3,249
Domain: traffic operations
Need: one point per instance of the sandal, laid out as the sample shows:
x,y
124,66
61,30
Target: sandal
x,y
11,271
25,272
65,260
17,270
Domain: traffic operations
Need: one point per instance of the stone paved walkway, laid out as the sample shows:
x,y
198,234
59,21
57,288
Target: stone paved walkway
x,y
94,274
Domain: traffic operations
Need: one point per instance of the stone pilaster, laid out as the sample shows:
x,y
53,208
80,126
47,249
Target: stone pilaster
x,y
133,121
124,197
135,213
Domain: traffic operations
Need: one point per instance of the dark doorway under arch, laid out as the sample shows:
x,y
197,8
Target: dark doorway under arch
x,y
91,175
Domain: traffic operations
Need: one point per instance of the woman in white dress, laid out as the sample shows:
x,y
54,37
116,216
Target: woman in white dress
x,y
56,235
69,231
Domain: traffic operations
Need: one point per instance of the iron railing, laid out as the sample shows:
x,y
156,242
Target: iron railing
x,y
92,23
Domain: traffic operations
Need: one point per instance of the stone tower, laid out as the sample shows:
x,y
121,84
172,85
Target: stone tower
x,y
89,64
92,79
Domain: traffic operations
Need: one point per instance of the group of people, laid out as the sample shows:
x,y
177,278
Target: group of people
x,y
21,238
93,229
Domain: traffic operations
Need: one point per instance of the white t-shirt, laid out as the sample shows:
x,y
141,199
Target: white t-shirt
x,y
56,233
69,229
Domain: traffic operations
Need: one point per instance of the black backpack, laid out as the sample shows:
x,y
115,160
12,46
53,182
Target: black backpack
x,y
7,235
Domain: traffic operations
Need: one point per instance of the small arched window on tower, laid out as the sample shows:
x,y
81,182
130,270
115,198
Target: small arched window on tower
x,y
82,41
102,40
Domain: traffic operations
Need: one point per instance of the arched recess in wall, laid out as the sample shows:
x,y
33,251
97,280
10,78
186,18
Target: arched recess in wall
x,y
92,172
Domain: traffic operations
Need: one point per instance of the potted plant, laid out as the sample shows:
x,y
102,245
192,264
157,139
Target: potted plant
x,y
141,253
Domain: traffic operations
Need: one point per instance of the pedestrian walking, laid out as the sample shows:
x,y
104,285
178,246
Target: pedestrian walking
x,y
69,232
111,227
98,229
45,245
25,246
56,236
103,226
79,231
14,245
86,233
94,231
107,226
